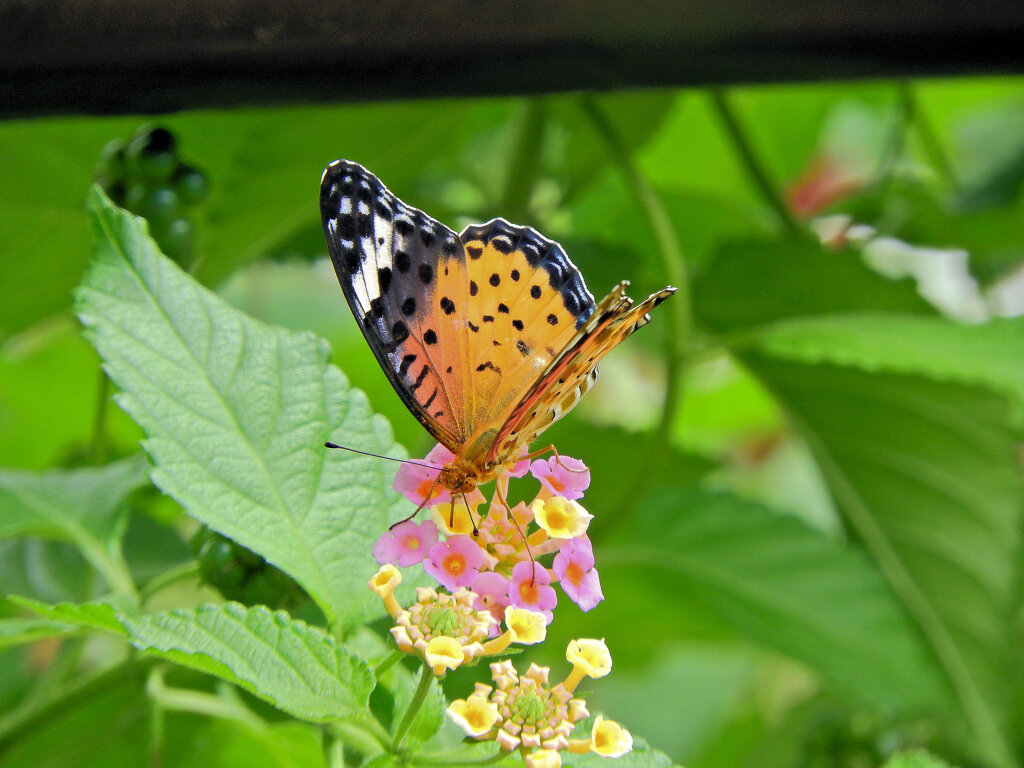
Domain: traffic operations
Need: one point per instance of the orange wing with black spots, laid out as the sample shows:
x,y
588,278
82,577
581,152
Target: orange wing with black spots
x,y
488,336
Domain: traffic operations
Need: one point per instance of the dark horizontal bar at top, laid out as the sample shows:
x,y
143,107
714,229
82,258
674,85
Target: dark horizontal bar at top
x,y
130,56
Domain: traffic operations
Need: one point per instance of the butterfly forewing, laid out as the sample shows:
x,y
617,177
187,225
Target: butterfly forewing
x,y
525,303
387,255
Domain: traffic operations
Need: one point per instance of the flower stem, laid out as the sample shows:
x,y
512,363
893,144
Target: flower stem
x,y
929,141
167,578
387,663
673,261
524,164
745,150
426,677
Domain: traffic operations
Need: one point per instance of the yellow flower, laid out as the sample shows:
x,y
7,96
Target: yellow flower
x,y
444,653
561,518
527,627
383,585
589,658
610,739
456,518
523,626
543,758
475,715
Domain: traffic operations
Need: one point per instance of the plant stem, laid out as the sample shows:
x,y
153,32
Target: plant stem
x,y
524,164
745,150
426,678
334,749
198,703
673,262
929,141
167,578
387,663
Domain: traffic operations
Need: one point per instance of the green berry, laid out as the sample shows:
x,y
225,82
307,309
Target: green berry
x,y
152,154
191,185
134,198
175,238
112,161
159,205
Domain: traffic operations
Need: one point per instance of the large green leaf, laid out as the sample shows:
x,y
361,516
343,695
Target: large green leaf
x,y
236,414
107,727
83,506
298,668
926,475
762,281
989,354
781,584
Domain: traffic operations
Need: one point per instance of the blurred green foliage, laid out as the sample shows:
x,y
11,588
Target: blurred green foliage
x,y
806,472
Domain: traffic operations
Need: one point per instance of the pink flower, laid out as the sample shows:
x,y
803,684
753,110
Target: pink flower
x,y
405,544
521,467
492,595
562,475
454,562
531,589
415,482
574,567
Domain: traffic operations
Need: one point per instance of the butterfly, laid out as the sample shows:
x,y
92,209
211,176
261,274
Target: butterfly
x,y
488,336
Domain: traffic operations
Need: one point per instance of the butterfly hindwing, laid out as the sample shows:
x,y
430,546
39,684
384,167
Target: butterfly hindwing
x,y
567,379
387,255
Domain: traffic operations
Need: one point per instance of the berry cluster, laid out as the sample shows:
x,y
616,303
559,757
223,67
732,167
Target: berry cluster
x,y
242,575
145,176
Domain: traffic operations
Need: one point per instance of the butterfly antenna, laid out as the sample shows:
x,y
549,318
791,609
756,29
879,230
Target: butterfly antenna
x,y
522,535
329,444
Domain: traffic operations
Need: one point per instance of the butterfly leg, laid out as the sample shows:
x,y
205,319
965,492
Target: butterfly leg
x,y
422,504
522,535
551,449
476,528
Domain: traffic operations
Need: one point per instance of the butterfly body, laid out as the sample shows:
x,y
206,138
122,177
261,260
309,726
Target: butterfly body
x,y
488,336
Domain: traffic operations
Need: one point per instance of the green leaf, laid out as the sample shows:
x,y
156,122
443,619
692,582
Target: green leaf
x,y
228,744
926,474
236,414
20,631
915,758
758,282
106,728
298,668
781,584
988,354
642,756
82,506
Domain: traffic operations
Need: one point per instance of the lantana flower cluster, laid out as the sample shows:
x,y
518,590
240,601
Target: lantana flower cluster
x,y
494,567
525,712
520,712
498,554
